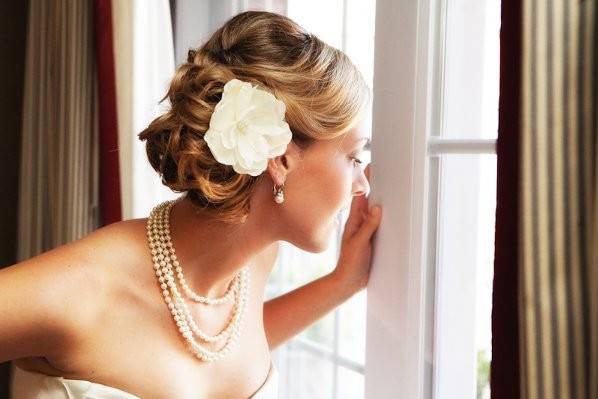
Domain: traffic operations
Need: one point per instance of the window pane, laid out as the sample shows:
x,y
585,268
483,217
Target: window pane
x,y
321,332
352,322
359,39
326,22
350,384
310,376
471,69
464,275
277,6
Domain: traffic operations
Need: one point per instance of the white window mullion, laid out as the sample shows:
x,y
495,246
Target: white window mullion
x,y
396,358
437,146
321,351
431,262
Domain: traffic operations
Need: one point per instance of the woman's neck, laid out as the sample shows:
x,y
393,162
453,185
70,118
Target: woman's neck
x,y
212,252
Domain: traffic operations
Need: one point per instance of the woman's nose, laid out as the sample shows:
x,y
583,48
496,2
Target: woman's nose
x,y
368,171
362,185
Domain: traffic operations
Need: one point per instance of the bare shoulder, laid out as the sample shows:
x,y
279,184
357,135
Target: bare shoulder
x,y
88,265
60,293
108,257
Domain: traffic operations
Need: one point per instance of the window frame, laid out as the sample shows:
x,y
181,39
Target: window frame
x,y
396,341
406,150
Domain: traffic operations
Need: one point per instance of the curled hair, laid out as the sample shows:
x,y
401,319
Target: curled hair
x,y
324,93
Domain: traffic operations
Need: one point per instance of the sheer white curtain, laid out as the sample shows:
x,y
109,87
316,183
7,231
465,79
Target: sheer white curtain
x,y
144,64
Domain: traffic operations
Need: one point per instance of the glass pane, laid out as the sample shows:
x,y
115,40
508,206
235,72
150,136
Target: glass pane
x,y
352,321
464,276
471,69
351,384
326,23
321,331
311,376
359,40
277,6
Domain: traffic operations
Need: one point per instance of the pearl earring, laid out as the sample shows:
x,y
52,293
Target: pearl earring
x,y
278,194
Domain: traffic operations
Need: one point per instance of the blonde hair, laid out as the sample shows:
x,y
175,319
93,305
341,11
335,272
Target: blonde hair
x,y
324,93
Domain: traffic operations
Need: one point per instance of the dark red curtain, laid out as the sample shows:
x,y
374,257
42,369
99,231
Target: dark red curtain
x,y
504,370
110,208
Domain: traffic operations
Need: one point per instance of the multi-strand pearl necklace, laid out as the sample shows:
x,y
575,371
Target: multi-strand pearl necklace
x,y
165,260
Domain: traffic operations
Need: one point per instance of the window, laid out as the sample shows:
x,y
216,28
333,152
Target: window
x,y
435,121
463,164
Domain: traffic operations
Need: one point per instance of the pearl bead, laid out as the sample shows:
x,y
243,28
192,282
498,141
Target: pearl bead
x,y
164,258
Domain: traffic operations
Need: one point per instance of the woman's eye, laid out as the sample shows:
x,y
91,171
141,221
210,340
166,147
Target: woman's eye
x,y
359,161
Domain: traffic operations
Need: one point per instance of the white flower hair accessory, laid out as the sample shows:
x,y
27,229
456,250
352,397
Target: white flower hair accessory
x,y
247,128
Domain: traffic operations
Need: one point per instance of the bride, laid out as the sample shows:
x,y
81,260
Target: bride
x,y
262,139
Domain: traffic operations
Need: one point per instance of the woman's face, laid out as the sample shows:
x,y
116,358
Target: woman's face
x,y
318,186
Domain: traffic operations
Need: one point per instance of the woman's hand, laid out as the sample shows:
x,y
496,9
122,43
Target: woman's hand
x,y
354,263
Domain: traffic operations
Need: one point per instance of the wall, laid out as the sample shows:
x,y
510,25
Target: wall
x,y
13,25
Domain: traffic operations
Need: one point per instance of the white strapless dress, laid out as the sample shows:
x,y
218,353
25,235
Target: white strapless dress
x,y
33,385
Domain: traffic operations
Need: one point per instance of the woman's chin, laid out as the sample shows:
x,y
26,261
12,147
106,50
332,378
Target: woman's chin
x,y
324,239
321,239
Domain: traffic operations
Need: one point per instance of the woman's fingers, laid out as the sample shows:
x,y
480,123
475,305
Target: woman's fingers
x,y
356,214
371,223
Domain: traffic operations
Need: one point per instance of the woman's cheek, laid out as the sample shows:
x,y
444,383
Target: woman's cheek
x,y
340,185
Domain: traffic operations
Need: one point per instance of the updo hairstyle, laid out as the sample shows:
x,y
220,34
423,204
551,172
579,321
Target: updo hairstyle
x,y
324,93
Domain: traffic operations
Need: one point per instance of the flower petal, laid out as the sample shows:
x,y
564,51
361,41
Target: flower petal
x,y
232,86
228,137
223,116
245,150
220,153
243,100
258,141
260,166
278,143
266,109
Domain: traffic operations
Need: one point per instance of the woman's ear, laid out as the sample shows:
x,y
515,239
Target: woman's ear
x,y
279,167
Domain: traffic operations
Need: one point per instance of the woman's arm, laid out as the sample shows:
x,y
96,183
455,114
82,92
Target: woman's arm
x,y
36,317
287,315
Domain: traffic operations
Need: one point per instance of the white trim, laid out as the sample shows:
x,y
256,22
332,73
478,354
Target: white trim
x,y
395,349
324,352
438,146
